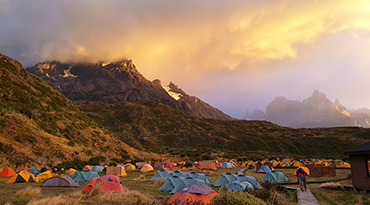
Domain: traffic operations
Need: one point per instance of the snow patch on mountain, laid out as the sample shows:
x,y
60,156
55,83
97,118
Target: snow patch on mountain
x,y
67,73
175,96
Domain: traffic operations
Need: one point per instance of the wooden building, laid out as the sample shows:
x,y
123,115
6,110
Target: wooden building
x,y
360,166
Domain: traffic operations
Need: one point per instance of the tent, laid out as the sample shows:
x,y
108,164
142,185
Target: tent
x,y
147,168
118,171
22,176
169,165
227,165
107,183
345,165
33,171
295,164
218,165
85,176
178,173
64,181
275,177
89,167
196,175
70,172
186,181
250,179
239,185
224,179
130,167
97,168
170,184
264,169
283,164
75,174
207,165
7,172
193,194
25,169
304,168
161,174
44,175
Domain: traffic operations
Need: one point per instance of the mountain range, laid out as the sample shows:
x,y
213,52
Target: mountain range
x,y
315,111
119,82
41,127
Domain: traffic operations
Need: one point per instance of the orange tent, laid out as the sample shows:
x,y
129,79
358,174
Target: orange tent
x,y
107,183
146,168
7,172
193,194
304,168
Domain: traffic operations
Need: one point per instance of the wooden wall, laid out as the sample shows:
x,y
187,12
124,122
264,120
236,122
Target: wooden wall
x,y
359,170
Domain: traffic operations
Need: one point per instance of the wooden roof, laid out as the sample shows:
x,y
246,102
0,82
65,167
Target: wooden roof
x,y
362,149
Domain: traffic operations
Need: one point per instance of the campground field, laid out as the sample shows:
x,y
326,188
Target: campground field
x,y
139,190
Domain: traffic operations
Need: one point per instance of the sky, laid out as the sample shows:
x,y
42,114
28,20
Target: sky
x,y
235,55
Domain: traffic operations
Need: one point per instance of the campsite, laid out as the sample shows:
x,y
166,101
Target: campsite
x,y
140,188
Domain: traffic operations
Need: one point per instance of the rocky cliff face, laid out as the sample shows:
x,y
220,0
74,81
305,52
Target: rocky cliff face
x,y
190,104
315,111
116,82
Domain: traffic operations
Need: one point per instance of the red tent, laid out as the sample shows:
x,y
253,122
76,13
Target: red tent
x,y
25,169
169,165
107,183
7,172
193,194
218,165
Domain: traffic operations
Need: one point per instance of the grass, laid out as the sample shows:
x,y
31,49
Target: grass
x,y
140,190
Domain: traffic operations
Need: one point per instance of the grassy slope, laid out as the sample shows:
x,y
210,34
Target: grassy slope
x,y
41,127
159,128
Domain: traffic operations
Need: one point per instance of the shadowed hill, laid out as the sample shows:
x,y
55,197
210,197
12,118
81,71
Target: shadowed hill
x,y
159,128
41,127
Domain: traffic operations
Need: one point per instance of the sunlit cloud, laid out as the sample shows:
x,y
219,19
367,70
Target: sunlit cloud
x,y
186,41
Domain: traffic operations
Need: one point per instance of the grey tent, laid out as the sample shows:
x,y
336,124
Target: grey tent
x,y
64,181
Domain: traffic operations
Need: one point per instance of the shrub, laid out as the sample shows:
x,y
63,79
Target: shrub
x,y
236,198
270,193
3,123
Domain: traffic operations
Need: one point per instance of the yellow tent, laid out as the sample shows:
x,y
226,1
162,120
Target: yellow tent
x,y
275,163
44,175
305,170
71,171
130,167
295,164
345,165
22,176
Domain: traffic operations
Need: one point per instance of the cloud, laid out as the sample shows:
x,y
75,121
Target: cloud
x,y
185,41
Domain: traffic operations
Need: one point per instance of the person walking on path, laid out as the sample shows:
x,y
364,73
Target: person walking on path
x,y
302,179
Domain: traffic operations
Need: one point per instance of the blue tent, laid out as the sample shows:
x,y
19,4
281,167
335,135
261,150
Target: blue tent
x,y
250,179
85,176
196,175
178,173
224,179
264,169
183,183
239,185
227,165
161,174
275,177
170,184
97,168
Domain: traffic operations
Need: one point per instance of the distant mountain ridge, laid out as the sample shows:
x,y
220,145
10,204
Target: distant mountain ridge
x,y
118,82
315,111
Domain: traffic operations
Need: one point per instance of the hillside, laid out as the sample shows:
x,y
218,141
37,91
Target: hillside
x,y
40,127
117,82
158,128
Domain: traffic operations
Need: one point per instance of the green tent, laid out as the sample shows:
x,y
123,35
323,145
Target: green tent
x,y
275,177
85,176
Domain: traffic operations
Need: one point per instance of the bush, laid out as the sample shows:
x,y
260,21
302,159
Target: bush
x,y
236,198
270,192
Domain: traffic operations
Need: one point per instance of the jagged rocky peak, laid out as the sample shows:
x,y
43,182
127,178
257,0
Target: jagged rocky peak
x,y
157,82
